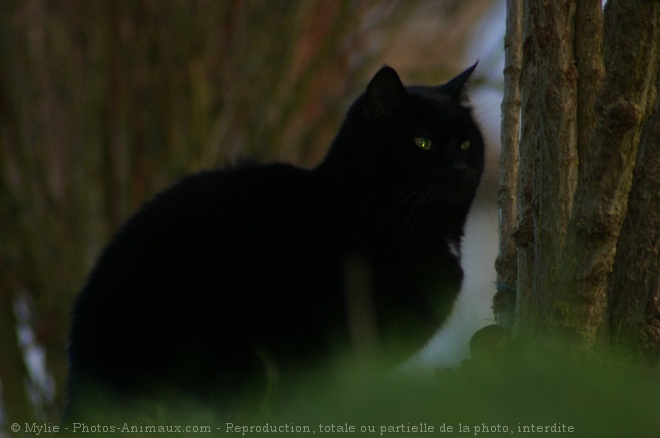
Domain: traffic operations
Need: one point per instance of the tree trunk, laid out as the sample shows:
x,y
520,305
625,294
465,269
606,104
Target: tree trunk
x,y
588,87
634,292
549,141
632,31
507,263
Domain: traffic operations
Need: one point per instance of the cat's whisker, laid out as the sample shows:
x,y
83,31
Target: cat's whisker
x,y
412,195
483,204
418,211
412,215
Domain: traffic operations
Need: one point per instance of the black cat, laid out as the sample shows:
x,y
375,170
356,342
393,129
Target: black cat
x,y
231,274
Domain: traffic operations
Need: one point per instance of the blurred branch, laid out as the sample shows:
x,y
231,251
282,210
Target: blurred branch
x,y
106,102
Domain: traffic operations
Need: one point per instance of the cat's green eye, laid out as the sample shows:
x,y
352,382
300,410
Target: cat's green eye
x,y
424,143
465,145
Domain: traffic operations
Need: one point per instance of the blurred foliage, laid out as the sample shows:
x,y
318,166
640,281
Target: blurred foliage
x,y
604,396
103,103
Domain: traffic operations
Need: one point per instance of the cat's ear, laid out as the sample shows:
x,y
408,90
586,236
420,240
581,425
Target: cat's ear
x,y
456,87
385,93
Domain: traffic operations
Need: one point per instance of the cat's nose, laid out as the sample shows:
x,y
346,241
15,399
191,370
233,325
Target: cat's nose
x,y
459,166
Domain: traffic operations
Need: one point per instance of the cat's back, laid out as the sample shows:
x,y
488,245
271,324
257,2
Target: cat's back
x,y
225,209
222,196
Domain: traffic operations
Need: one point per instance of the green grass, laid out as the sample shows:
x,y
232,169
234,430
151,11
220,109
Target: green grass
x,y
520,394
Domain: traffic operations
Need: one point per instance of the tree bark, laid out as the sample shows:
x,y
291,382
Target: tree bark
x,y
549,135
632,31
588,26
588,87
634,292
506,263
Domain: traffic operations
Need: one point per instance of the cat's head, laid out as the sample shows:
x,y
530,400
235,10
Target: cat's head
x,y
397,140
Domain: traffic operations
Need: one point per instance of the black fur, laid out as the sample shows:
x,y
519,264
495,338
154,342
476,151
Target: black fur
x,y
227,266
